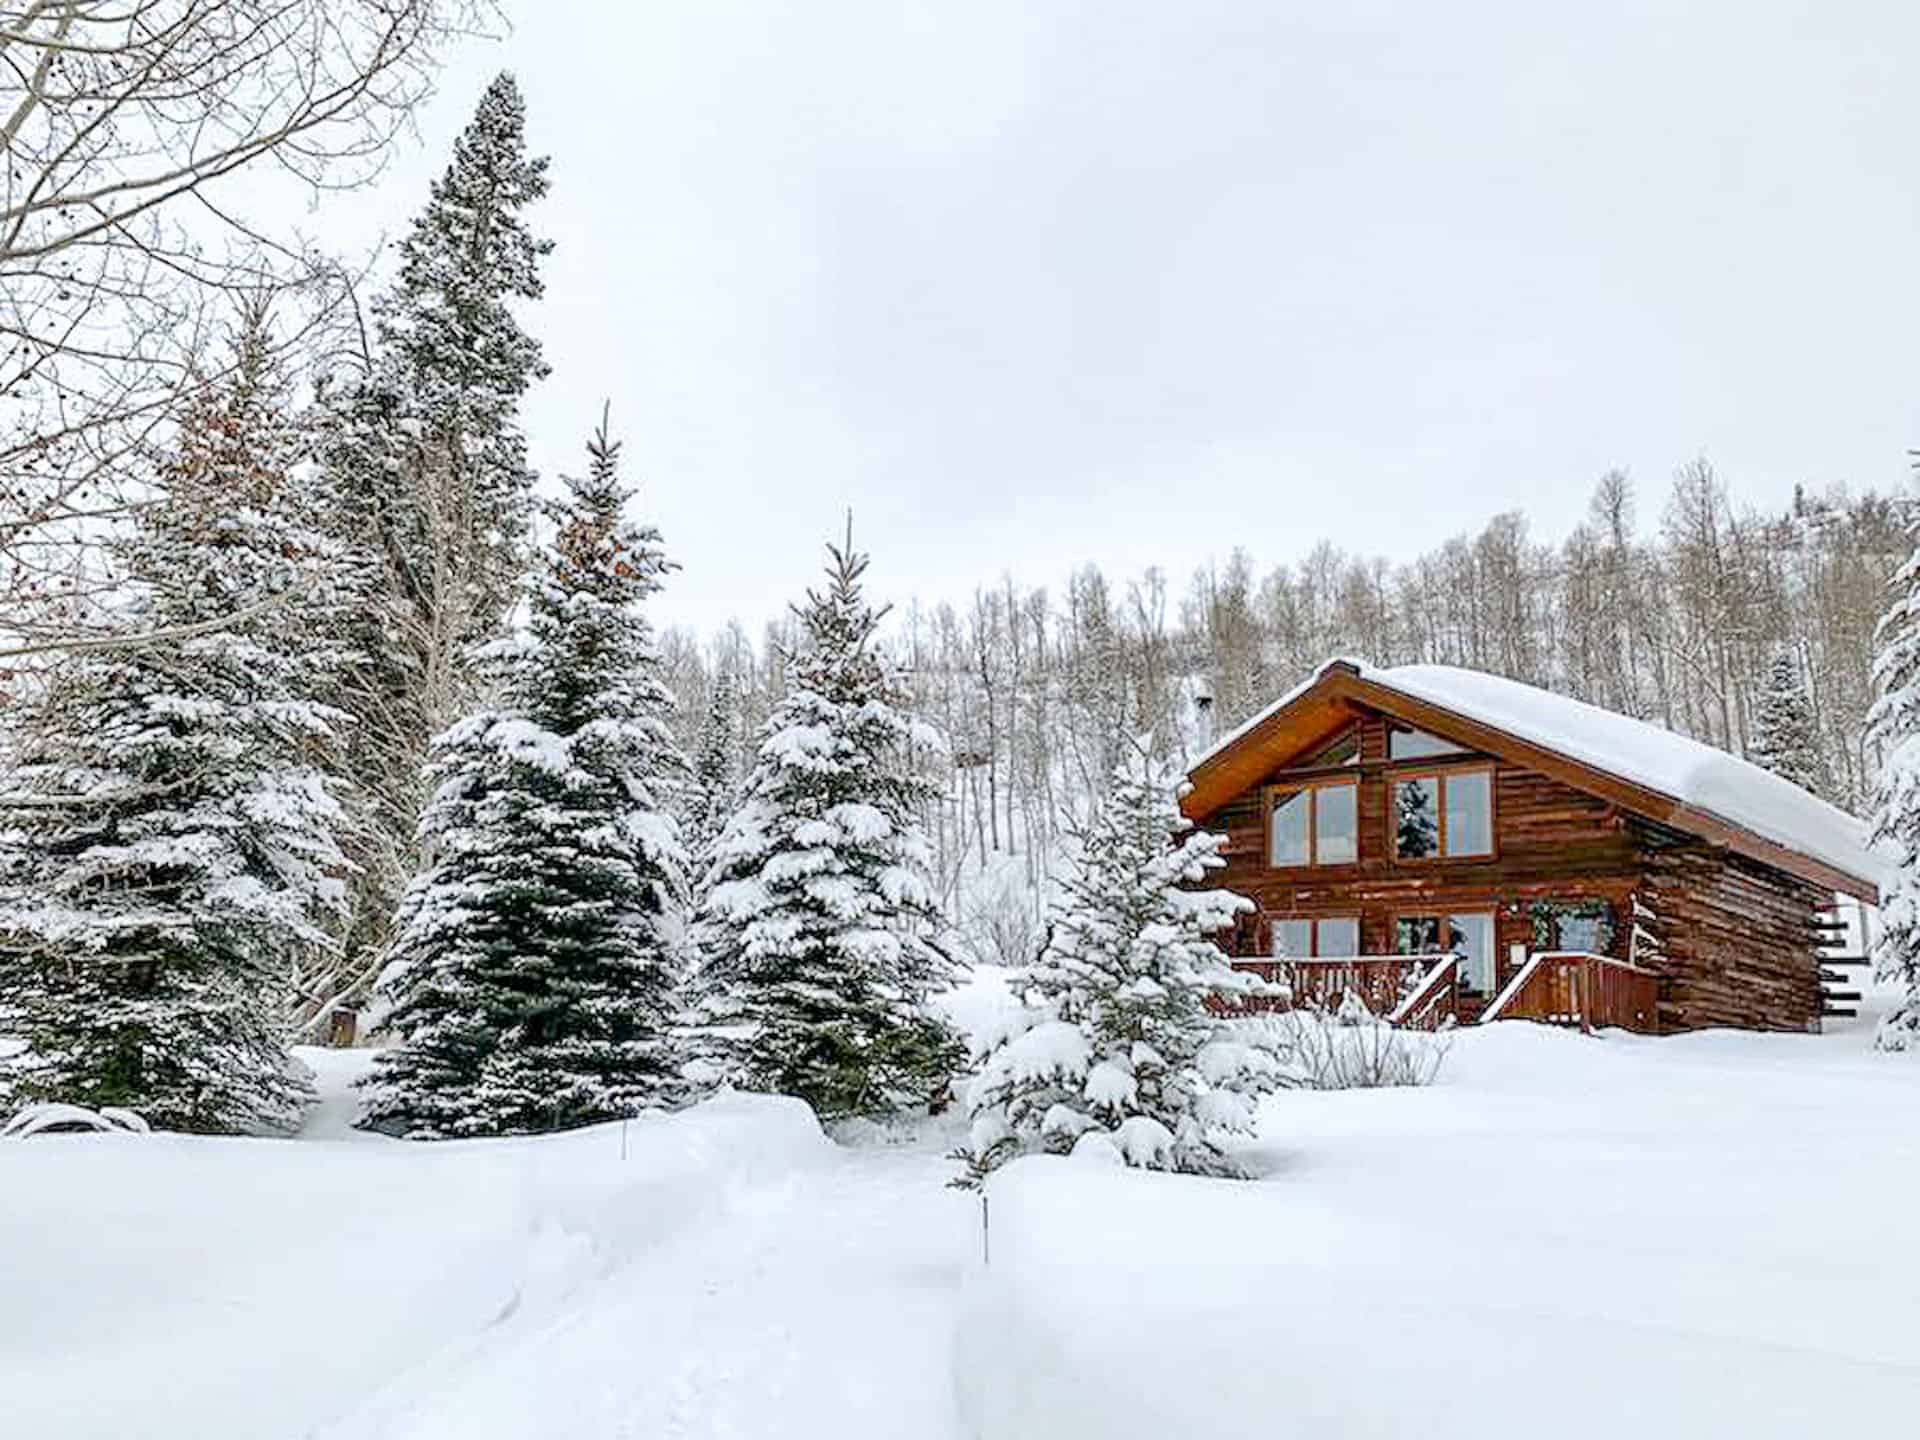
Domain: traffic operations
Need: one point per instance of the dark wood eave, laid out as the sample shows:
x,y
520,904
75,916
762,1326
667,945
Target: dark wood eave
x,y
1340,687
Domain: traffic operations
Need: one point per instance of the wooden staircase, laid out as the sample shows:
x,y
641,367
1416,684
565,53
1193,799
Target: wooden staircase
x,y
1840,997
1575,989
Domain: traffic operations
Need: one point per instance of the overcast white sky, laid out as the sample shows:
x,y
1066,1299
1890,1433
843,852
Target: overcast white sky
x,y
1028,283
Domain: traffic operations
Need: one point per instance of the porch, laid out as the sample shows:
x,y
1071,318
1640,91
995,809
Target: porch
x,y
1574,988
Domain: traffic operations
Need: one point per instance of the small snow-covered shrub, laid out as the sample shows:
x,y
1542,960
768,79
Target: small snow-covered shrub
x,y
54,1118
1353,1049
997,923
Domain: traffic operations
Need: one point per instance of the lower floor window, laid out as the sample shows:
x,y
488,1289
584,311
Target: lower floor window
x,y
1468,935
1301,939
1580,925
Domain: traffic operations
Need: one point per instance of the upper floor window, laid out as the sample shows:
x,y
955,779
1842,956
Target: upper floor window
x,y
1343,749
1418,745
1317,825
1443,815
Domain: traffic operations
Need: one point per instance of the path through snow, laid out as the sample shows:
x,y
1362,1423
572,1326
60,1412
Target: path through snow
x,y
728,1272
819,1304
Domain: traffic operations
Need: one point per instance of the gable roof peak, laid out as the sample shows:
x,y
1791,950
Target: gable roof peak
x,y
1656,772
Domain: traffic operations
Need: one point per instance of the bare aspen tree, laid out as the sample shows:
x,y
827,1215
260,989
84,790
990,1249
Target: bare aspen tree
x,y
127,127
1033,692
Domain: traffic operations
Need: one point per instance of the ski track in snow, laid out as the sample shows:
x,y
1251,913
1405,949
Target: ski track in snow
x,y
821,1304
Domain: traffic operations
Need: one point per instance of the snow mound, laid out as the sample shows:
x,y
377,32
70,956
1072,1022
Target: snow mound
x,y
1605,1237
54,1118
266,1287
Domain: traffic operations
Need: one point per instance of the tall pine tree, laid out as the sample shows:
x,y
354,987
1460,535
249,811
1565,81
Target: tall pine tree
x,y
1895,725
425,469
816,920
536,959
1785,738
169,855
1120,1044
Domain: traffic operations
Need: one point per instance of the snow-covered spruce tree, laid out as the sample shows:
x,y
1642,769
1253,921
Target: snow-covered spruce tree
x,y
425,468
1119,1045
536,959
815,922
1894,723
1785,739
710,798
169,853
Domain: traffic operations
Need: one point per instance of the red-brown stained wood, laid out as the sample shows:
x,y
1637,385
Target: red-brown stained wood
x,y
1340,695
1738,937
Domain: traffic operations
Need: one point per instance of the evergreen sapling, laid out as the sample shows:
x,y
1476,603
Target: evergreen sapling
x,y
1127,1044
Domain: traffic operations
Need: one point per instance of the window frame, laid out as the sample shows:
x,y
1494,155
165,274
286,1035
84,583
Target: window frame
x,y
1439,774
1446,914
1314,922
1454,749
1273,794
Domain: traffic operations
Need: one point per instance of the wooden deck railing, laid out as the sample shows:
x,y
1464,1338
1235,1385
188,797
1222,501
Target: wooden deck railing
x,y
1435,1000
1416,990
1570,987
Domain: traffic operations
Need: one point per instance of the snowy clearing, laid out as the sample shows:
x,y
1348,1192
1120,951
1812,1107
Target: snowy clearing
x,y
1698,1236
1705,1235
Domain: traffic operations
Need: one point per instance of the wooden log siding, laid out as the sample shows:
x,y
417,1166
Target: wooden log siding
x,y
1739,936
1740,941
1551,843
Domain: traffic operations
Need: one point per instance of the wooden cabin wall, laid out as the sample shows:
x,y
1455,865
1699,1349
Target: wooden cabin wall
x,y
1739,938
1551,843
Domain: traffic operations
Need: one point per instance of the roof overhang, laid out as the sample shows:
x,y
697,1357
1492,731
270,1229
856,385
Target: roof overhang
x,y
1320,706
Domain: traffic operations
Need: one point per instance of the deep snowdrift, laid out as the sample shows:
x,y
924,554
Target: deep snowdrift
x,y
167,1285
1695,1236
1700,1236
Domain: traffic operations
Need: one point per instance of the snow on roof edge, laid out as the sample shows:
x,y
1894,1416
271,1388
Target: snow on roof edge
x,y
1248,726
1685,770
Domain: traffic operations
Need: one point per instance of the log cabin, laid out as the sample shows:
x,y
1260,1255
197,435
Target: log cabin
x,y
1448,845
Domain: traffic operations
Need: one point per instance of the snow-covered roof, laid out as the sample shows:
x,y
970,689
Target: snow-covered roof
x,y
1692,773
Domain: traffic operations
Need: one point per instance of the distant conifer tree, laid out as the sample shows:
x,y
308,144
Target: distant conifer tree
x,y
1785,738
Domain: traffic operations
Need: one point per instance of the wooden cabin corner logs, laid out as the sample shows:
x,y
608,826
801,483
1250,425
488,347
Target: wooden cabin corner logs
x,y
1740,941
1734,941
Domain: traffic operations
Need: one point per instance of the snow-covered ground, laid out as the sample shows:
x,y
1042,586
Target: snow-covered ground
x,y
1701,1236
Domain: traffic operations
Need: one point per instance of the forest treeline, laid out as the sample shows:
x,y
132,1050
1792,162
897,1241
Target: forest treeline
x,y
1677,618
324,710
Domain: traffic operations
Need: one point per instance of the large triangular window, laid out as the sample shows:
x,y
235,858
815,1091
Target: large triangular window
x,y
1418,745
